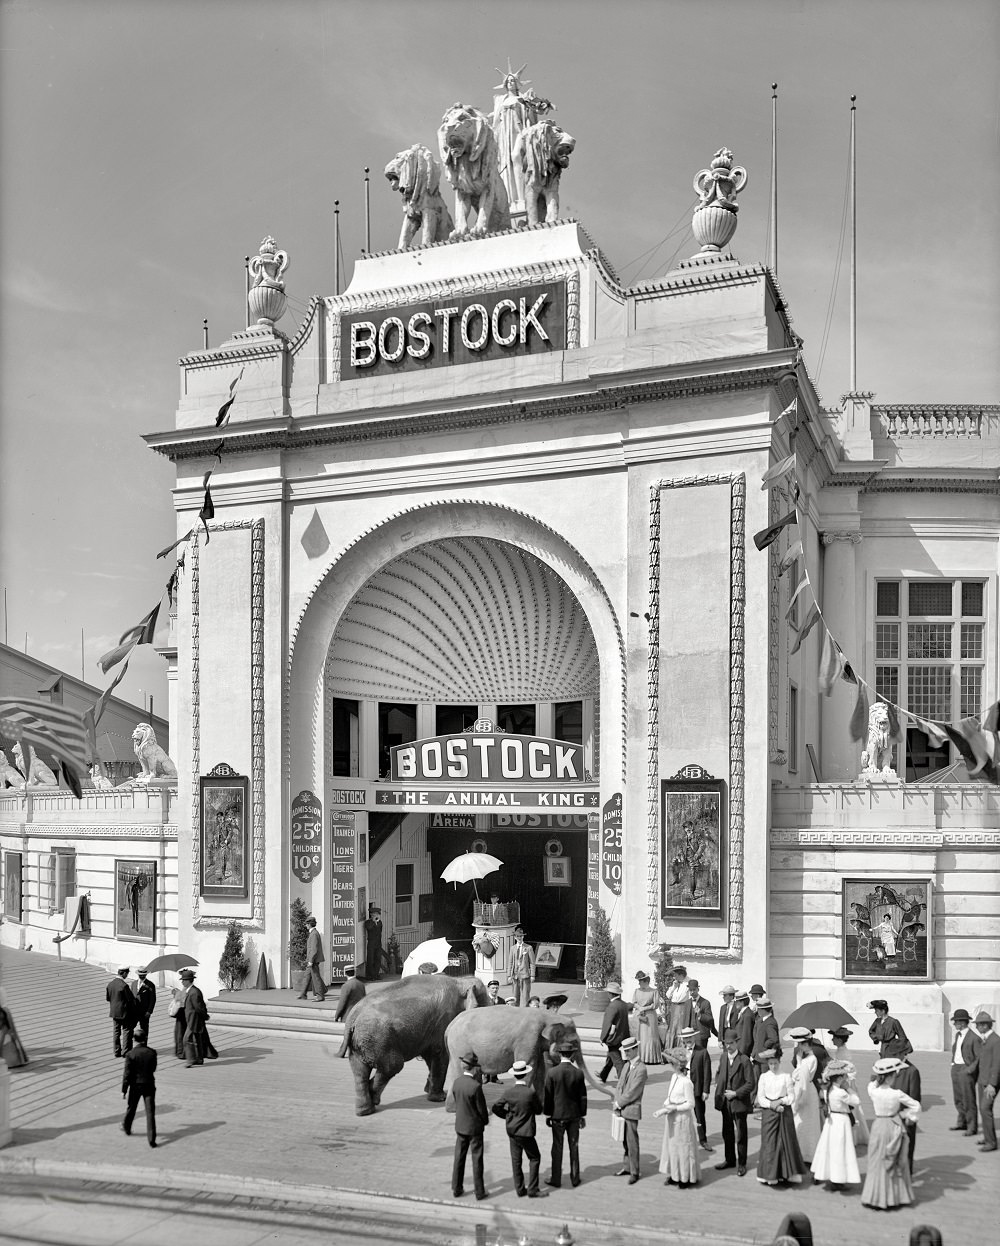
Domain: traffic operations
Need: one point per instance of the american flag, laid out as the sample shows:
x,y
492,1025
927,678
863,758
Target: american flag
x,y
58,735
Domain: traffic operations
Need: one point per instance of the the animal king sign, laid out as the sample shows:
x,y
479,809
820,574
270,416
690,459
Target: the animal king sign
x,y
526,320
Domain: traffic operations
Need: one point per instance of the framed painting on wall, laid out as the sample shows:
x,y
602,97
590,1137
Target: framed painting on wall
x,y
135,901
887,928
12,893
225,833
558,872
693,837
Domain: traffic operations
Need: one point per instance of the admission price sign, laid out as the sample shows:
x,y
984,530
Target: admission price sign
x,y
343,930
611,844
307,836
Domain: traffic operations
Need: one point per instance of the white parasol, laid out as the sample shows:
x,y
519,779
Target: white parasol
x,y
470,866
434,950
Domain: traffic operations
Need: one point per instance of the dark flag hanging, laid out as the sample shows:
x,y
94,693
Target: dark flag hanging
x,y
141,634
223,415
207,511
764,538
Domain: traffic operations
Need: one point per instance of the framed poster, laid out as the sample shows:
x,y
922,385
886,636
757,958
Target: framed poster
x,y
135,901
558,872
12,893
548,955
887,927
225,833
693,833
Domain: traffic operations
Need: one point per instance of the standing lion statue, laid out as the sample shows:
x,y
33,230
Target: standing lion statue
x,y
468,150
541,153
156,765
417,175
876,756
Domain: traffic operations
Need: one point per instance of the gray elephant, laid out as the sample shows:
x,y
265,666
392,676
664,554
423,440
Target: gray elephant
x,y
404,1020
499,1036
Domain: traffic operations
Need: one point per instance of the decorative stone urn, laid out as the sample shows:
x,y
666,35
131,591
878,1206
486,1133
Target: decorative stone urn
x,y
714,220
267,298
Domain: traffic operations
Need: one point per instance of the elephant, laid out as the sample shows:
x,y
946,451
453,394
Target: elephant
x,y
404,1020
499,1036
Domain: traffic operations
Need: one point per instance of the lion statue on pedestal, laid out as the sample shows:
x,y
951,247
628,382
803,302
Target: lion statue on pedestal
x,y
10,776
541,153
156,765
468,150
875,758
417,175
36,772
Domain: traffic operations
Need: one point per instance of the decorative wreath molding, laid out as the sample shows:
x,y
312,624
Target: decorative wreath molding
x,y
737,645
256,527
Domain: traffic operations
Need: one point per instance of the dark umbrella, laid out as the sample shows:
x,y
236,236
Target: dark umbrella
x,y
821,1014
173,960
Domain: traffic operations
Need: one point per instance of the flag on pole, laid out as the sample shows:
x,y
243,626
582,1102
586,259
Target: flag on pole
x,y
805,627
141,634
57,732
223,415
775,473
764,538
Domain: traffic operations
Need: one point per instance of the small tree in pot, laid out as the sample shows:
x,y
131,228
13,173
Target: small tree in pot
x,y
663,976
298,937
600,960
234,967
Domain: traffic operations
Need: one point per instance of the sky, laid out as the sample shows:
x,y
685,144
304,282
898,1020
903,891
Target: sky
x,y
147,147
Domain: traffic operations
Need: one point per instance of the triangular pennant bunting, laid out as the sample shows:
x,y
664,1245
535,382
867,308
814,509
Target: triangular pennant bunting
x,y
831,664
775,473
141,634
790,557
223,415
802,584
764,538
858,727
806,626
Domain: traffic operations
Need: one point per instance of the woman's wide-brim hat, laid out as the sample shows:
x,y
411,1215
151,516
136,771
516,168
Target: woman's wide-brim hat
x,y
762,1057
838,1068
841,1032
879,1003
186,974
642,976
889,1065
679,1057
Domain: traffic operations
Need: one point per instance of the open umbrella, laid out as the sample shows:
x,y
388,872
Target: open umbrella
x,y
470,866
173,960
433,950
821,1014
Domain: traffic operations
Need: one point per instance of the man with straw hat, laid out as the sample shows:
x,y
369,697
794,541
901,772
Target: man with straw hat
x,y
628,1104
565,1112
471,1119
614,1031
695,1040
734,1088
518,1106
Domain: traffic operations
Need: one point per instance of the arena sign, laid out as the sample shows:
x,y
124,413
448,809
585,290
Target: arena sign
x,y
487,758
527,320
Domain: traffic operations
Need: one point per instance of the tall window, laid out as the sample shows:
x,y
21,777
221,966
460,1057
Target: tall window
x,y
453,719
567,721
516,719
793,728
930,657
404,896
397,724
345,759
58,878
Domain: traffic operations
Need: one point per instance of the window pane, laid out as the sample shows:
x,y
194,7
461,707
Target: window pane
x,y
404,913
887,683
930,597
971,691
886,640
793,728
972,598
404,880
928,692
397,724
887,598
344,721
516,719
921,758
568,721
928,640
972,640
453,719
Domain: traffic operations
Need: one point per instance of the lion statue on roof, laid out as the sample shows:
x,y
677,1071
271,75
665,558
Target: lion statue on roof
x,y
541,153
156,765
877,754
468,149
417,175
36,772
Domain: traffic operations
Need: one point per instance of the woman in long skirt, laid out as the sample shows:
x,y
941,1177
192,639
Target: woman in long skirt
x,y
835,1161
887,1183
679,1152
806,1103
780,1158
647,1030
680,1010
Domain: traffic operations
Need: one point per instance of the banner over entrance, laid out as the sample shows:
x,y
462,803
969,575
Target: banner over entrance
x,y
487,757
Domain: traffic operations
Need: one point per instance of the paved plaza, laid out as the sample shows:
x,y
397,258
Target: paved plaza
x,y
263,1145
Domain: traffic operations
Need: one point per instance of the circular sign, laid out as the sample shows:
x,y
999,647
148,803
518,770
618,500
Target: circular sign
x,y
553,848
478,845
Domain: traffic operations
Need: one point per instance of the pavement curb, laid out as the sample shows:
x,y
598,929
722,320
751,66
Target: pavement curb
x,y
171,1180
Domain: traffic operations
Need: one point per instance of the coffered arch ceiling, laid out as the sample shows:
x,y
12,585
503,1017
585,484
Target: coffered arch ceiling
x,y
464,620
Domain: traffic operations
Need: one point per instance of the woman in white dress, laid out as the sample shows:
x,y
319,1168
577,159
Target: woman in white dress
x,y
680,1010
806,1102
679,1152
887,1182
835,1161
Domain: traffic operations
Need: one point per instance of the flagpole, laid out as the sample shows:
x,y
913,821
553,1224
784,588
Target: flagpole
x,y
368,215
204,333
246,289
854,256
336,246
83,669
773,257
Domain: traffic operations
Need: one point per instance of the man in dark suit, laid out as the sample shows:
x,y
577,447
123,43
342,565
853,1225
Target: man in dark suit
x,y
701,1010
734,1088
518,1106
964,1068
765,1036
122,1011
139,1082
700,1068
565,1105
351,992
471,1119
745,1019
145,999
195,1017
614,1031
373,944
628,1104
728,1012
907,1079
987,1078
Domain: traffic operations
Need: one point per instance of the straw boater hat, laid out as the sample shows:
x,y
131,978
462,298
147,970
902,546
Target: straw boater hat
x,y
614,988
728,990
520,1068
889,1065
764,1002
690,1032
801,1034
741,997
679,1057
630,1046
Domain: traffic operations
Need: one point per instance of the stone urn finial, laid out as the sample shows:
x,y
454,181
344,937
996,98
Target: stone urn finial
x,y
714,220
267,297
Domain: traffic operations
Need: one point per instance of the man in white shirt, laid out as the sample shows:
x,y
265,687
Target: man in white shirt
x,y
964,1058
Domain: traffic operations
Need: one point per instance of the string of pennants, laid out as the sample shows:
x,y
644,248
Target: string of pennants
x,y
976,739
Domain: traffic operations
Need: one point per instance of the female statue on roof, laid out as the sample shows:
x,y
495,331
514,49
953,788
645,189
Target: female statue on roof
x,y
513,111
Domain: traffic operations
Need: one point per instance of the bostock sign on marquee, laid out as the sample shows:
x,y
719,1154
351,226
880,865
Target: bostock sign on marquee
x,y
487,757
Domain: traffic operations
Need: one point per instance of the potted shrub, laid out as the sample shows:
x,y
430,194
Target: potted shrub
x,y
663,976
298,936
600,961
234,967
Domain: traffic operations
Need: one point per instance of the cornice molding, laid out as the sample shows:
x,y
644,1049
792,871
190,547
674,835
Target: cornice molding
x,y
883,840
